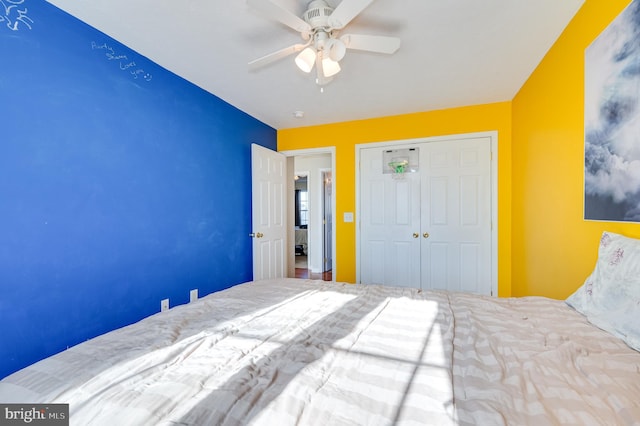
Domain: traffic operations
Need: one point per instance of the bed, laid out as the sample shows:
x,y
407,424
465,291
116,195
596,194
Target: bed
x,y
295,351
301,241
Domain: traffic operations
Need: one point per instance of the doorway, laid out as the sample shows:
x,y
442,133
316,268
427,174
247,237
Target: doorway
x,y
301,224
311,205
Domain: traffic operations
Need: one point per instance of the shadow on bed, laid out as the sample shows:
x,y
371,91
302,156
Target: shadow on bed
x,y
312,355
281,352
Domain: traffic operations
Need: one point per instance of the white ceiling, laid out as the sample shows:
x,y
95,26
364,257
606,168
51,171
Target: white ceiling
x,y
453,53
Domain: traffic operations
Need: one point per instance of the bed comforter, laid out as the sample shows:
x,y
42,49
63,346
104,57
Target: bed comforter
x,y
310,352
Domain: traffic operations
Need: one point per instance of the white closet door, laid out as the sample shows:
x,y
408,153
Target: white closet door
x,y
389,224
446,204
456,215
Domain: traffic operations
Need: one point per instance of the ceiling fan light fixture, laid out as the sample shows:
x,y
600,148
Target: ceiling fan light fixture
x,y
320,26
330,67
337,49
306,59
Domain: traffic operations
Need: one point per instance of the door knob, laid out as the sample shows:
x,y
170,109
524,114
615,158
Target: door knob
x,y
426,235
416,235
258,235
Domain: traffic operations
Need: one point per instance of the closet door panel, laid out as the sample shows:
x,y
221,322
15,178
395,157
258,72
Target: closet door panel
x,y
456,213
470,272
389,218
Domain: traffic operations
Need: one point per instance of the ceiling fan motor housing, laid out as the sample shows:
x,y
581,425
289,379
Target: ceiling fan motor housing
x,y
317,14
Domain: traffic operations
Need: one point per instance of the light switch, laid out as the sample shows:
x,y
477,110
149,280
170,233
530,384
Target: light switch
x,y
348,216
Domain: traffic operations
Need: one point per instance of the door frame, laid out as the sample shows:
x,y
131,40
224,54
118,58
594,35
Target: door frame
x,y
493,135
330,150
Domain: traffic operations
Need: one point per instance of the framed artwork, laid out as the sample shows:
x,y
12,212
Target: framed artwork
x,y
612,121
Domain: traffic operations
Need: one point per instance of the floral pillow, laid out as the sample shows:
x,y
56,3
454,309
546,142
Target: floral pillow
x,y
610,296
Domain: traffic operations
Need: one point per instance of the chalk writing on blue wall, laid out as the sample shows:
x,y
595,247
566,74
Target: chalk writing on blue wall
x,y
14,14
124,63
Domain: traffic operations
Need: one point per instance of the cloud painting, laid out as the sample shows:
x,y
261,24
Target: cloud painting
x,y
612,121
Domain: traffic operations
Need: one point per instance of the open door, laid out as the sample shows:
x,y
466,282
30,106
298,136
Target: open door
x,y
327,222
268,179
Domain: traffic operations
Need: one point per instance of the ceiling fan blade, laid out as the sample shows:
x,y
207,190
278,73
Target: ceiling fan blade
x,y
272,57
379,44
280,14
346,11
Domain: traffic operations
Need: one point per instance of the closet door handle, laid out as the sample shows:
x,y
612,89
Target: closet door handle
x,y
425,235
416,235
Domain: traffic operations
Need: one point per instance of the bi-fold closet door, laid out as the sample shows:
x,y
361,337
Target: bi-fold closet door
x,y
430,228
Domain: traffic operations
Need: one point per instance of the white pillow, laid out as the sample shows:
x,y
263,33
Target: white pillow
x,y
610,296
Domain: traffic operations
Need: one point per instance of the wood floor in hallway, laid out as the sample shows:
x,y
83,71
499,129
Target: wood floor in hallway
x,y
305,273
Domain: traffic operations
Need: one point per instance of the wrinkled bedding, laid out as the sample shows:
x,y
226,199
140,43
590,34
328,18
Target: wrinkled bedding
x,y
311,352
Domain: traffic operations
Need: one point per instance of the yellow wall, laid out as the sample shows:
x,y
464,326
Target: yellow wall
x,y
554,248
545,246
344,136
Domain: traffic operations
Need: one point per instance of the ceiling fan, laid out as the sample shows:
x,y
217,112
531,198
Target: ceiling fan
x,y
319,27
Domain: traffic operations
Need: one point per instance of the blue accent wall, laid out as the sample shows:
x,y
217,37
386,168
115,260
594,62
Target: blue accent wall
x,y
121,184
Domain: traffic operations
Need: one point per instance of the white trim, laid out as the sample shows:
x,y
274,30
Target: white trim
x,y
493,135
316,151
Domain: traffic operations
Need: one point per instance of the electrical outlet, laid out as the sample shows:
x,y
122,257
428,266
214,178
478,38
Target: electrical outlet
x,y
164,305
193,295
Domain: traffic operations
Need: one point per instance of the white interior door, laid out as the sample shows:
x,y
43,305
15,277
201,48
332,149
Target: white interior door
x,y
268,179
390,224
327,221
456,215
